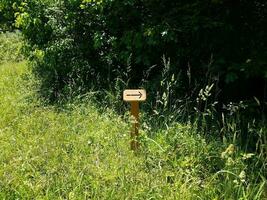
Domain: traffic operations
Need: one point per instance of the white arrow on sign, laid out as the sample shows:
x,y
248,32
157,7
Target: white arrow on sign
x,y
134,95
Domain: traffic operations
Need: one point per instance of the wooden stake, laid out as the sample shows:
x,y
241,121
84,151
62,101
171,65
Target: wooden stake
x,y
134,96
134,132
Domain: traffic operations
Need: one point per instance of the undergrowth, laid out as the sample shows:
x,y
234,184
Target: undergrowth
x,y
79,149
77,153
10,47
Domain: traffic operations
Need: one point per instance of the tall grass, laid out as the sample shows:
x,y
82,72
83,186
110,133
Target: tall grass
x,y
10,47
77,153
80,150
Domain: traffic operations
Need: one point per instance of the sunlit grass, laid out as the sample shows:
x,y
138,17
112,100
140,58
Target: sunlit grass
x,y
10,47
74,152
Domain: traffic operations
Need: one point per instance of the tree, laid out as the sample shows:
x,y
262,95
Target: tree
x,y
7,14
89,42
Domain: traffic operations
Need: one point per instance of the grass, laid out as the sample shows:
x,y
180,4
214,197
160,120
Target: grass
x,y
76,152
10,47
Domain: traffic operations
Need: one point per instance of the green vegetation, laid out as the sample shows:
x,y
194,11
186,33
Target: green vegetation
x,y
7,14
10,47
75,152
95,42
64,130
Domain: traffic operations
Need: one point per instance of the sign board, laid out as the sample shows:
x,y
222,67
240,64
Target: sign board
x,y
134,95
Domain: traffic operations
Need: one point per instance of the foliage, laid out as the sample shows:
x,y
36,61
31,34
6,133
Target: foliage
x,y
91,43
7,14
75,46
74,152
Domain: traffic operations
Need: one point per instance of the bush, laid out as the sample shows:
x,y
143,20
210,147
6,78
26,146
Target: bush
x,y
7,14
80,44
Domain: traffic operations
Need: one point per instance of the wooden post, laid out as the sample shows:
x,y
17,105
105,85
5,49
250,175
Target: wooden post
x,y
134,96
134,132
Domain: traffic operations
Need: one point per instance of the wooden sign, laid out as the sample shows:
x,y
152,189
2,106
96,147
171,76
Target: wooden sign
x,y
134,95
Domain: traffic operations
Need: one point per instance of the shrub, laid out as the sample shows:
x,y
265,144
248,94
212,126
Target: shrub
x,y
84,43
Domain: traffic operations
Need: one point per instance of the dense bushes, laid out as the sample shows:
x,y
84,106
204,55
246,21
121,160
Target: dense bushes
x,y
218,45
92,42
